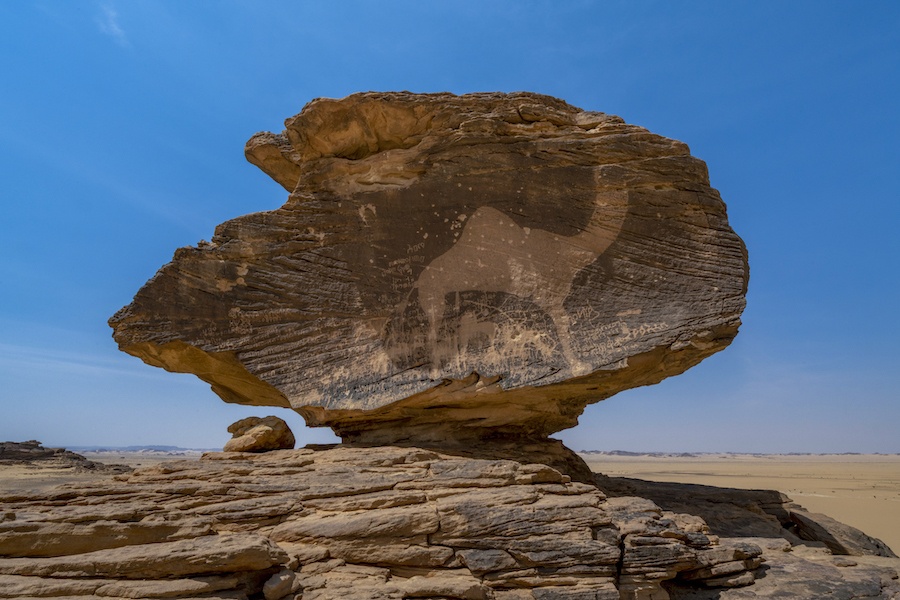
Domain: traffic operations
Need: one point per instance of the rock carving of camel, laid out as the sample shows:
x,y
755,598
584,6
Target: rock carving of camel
x,y
495,254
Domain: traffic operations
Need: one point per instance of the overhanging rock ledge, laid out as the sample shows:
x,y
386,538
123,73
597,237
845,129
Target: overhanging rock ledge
x,y
450,269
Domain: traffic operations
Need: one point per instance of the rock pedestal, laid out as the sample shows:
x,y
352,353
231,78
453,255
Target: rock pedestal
x,y
451,270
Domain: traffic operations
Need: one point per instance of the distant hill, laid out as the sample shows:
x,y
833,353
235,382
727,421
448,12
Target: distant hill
x,y
142,449
627,453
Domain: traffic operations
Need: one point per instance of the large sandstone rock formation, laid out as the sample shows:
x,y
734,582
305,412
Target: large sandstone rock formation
x,y
392,524
457,272
450,269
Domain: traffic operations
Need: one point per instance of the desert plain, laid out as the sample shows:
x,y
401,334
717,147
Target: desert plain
x,y
18,477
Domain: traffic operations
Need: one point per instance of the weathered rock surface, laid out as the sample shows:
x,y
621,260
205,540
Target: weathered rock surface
x,y
450,269
33,454
389,523
733,512
255,434
841,539
808,574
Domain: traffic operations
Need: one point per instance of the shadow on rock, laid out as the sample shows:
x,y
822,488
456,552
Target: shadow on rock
x,y
731,512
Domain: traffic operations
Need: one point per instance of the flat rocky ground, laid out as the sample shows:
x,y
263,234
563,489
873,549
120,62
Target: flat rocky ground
x,y
22,477
862,490
252,499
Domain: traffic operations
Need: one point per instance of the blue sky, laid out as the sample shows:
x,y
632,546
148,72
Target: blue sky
x,y
122,126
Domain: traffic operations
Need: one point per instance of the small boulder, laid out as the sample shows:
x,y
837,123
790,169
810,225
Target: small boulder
x,y
255,434
279,585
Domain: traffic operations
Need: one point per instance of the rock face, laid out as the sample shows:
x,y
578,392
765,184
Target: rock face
x,y
255,434
388,523
451,269
840,539
750,513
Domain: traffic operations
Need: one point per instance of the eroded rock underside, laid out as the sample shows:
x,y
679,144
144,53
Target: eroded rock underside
x,y
393,523
450,268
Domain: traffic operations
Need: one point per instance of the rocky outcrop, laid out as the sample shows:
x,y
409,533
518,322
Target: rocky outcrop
x,y
451,271
733,512
839,538
805,573
255,434
352,523
387,523
33,455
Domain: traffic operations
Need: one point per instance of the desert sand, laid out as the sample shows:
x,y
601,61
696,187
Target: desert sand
x,y
862,490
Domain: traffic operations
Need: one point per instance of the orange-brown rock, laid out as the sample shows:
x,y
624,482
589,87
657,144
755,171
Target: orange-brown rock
x,y
450,269
385,522
394,524
255,434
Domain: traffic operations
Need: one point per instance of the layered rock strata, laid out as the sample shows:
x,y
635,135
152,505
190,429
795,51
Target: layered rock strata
x,y
451,270
385,523
352,523
733,512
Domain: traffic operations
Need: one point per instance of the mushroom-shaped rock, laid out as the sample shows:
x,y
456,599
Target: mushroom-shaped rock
x,y
255,434
451,268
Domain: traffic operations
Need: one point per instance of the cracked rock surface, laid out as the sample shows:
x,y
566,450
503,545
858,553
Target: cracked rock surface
x,y
451,269
385,523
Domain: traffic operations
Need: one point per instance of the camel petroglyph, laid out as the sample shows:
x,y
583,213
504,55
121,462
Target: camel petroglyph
x,y
495,254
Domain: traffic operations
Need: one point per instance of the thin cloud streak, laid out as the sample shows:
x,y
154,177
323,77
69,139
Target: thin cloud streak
x,y
20,357
84,168
108,22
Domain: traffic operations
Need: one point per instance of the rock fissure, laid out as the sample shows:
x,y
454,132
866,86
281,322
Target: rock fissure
x,y
620,563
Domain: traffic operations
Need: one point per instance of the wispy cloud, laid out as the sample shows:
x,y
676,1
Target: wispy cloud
x,y
89,168
108,22
52,362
